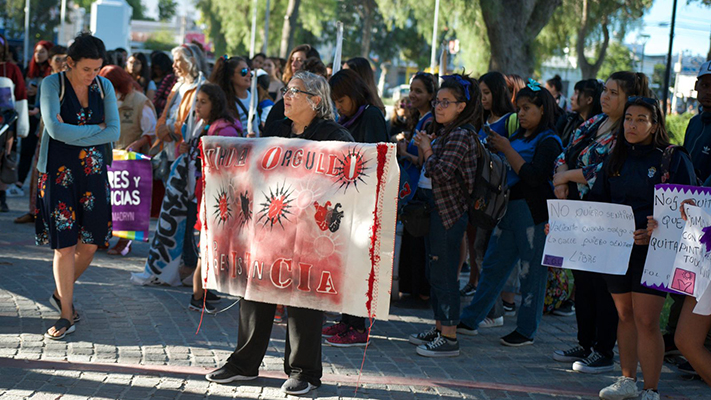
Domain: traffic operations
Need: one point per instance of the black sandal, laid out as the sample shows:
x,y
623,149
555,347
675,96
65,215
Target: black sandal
x,y
61,323
54,301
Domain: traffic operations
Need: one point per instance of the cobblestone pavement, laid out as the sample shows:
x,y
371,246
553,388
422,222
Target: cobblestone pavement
x,y
141,342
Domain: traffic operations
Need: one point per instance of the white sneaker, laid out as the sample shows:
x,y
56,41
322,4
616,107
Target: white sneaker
x,y
491,323
15,191
650,394
624,388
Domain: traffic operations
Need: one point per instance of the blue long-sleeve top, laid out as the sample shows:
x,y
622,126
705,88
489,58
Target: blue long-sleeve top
x,y
75,135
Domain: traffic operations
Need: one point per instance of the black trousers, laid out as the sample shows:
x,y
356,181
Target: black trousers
x,y
354,322
27,151
302,353
595,313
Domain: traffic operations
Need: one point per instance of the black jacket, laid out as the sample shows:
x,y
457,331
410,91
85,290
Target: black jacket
x,y
535,184
698,142
370,127
634,185
319,129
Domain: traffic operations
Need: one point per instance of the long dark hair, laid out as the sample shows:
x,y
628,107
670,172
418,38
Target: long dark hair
x,y
86,45
362,67
347,83
161,61
472,112
144,76
308,50
500,95
218,103
541,97
660,137
222,76
430,83
632,83
590,88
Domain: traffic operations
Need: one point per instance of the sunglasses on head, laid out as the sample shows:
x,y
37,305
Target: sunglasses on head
x,y
244,71
648,100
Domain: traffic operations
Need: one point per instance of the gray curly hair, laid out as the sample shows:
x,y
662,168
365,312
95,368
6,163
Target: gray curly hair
x,y
195,58
317,85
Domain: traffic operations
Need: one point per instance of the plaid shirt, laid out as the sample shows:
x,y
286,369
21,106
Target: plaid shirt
x,y
454,152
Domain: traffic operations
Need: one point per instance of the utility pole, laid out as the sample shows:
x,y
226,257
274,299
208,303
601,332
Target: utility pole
x,y
433,54
667,74
265,46
26,52
62,17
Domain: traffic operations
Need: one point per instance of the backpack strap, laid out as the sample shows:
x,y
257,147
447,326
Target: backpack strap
x,y
62,87
666,160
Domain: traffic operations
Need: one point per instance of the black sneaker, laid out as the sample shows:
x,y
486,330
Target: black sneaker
x,y
515,339
468,290
669,346
566,309
686,368
424,337
211,297
509,309
225,375
196,305
574,354
595,364
3,204
465,329
439,347
297,387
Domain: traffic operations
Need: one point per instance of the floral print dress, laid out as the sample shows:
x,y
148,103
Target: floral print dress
x,y
73,197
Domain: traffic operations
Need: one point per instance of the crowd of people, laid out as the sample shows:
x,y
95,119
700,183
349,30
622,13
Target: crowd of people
x,y
607,143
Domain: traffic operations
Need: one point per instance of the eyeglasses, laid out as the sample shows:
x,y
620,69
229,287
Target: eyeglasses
x,y
244,71
292,91
648,100
444,103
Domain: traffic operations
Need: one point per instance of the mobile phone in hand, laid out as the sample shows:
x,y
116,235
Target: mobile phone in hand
x,y
488,131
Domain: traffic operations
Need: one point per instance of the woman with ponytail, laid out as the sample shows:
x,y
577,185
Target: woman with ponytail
x,y
448,173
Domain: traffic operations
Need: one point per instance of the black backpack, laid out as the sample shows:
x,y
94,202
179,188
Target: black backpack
x,y
490,197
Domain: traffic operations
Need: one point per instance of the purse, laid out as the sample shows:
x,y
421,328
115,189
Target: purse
x,y
415,217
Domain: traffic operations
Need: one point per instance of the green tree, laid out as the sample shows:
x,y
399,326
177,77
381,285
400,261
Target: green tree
x,y
44,17
162,40
619,58
139,10
167,9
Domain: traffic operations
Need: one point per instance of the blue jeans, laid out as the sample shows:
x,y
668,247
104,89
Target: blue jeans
x,y
442,247
515,237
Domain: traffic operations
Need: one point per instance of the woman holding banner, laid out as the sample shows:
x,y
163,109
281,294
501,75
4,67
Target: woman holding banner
x,y
310,116
138,124
81,121
640,159
576,171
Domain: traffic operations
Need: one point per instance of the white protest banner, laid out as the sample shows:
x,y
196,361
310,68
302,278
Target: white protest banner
x,y
664,243
692,266
301,223
589,236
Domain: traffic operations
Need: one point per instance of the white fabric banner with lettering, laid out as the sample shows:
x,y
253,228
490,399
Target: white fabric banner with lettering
x,y
664,243
589,236
692,266
302,223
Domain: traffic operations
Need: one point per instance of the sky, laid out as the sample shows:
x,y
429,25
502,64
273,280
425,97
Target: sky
x,y
693,26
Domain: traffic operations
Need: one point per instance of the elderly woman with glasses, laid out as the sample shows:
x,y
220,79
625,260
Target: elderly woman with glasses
x,y
309,115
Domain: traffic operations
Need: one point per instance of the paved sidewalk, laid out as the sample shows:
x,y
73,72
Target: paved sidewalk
x,y
141,342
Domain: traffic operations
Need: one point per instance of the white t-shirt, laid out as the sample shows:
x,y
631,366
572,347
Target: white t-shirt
x,y
244,116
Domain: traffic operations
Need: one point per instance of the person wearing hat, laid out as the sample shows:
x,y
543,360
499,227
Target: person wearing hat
x,y
698,142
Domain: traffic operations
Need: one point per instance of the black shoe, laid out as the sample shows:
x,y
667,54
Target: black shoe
x,y
196,305
515,339
566,309
225,375
686,368
574,354
3,204
466,268
211,297
509,309
595,364
297,387
464,329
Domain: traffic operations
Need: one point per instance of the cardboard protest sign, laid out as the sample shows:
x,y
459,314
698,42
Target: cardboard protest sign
x,y
131,182
692,267
301,223
664,243
589,236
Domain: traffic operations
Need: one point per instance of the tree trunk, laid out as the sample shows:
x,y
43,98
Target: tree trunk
x,y
367,13
588,70
512,27
287,30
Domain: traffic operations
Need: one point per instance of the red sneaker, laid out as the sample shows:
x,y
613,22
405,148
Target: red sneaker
x,y
349,338
334,330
